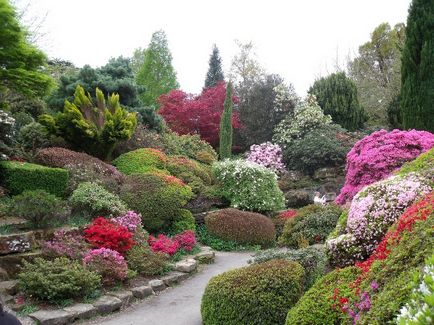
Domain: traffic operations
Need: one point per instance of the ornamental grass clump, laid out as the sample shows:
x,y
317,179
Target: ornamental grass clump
x,y
268,155
376,156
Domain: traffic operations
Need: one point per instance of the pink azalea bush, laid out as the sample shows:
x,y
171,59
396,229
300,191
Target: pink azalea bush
x,y
376,156
108,263
268,155
69,244
185,240
373,210
131,220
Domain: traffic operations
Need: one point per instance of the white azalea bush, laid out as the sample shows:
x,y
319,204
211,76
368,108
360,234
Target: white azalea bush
x,y
249,186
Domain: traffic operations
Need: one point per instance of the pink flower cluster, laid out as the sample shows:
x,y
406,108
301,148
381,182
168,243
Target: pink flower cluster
x,y
185,240
131,220
376,156
108,263
69,244
268,155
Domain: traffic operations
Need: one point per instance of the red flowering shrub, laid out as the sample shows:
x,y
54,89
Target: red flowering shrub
x,y
163,244
186,240
288,214
105,233
188,114
376,156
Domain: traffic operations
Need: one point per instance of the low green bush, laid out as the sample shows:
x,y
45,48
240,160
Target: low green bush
x,y
218,244
92,200
144,160
18,177
39,208
57,280
318,306
184,220
422,164
241,227
144,261
256,294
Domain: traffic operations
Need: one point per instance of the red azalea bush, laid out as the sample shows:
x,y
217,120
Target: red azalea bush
x,y
163,244
186,240
288,214
376,156
107,234
188,114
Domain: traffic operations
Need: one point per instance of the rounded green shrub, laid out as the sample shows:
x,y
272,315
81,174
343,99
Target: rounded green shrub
x,y
143,160
57,280
144,261
157,197
184,220
423,164
257,294
318,306
241,227
92,200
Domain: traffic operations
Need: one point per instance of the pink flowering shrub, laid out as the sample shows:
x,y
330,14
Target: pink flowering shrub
x,y
163,244
131,220
186,240
108,263
376,156
373,210
268,155
69,244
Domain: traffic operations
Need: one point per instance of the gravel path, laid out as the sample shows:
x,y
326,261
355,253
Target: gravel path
x,y
179,305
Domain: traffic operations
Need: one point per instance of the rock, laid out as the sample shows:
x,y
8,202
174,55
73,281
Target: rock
x,y
142,292
297,198
81,311
107,304
12,263
17,243
186,266
3,274
206,256
157,285
6,298
173,278
327,172
10,287
125,296
52,317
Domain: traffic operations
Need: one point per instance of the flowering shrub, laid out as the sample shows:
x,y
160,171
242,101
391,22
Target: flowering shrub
x,y
131,220
186,240
249,186
268,155
288,214
372,212
163,244
7,124
108,263
376,156
103,233
69,244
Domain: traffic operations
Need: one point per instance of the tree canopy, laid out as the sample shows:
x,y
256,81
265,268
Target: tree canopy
x,y
215,71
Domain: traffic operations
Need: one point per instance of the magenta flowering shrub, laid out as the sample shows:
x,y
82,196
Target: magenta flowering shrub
x,y
268,155
186,240
69,244
377,155
131,220
373,210
108,263
163,244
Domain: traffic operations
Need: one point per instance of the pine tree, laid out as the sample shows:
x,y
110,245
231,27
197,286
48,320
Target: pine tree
x,y
157,74
417,83
226,126
215,71
337,96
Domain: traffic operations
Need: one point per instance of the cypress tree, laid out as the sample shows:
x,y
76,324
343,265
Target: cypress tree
x,y
417,83
226,125
215,71
337,96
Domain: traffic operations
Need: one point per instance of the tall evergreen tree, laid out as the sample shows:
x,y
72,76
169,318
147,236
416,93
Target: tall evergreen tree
x,y
417,83
215,71
157,74
337,96
226,130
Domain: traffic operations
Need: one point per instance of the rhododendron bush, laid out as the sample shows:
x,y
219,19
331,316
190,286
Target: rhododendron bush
x,y
268,155
185,241
376,156
373,210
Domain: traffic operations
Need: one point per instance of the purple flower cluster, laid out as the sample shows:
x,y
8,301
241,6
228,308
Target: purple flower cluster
x,y
69,244
131,220
108,263
362,306
268,155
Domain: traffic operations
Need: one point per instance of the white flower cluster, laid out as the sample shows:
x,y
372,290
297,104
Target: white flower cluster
x,y
283,94
7,124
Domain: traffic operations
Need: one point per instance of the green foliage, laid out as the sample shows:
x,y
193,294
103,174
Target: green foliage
x,y
337,96
39,208
92,127
226,130
256,294
422,164
18,177
149,118
417,94
157,197
313,227
316,305
92,200
183,221
215,71
156,75
144,261
32,137
394,114
340,225
21,63
143,160
57,280
219,244
249,186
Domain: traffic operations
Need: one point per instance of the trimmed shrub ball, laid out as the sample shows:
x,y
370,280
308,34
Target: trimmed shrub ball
x,y
258,294
241,226
143,160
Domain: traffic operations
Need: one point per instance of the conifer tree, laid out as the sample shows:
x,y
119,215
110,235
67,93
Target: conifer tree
x,y
226,131
156,75
215,71
417,83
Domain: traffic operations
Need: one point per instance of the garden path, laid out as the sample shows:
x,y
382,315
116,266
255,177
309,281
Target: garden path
x,y
179,305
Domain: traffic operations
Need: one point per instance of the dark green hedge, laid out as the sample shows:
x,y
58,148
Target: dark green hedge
x,y
18,177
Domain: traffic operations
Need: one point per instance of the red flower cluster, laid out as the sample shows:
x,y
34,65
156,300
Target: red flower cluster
x,y
104,233
185,240
291,213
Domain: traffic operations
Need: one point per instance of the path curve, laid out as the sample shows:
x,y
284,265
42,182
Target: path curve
x,y
179,305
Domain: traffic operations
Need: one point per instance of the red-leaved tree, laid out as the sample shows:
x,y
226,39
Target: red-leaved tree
x,y
188,114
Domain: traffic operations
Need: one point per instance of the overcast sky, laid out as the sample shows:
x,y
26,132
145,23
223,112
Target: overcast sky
x,y
299,40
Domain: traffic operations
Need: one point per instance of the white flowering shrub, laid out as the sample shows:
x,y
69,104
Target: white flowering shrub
x,y
268,155
249,186
7,124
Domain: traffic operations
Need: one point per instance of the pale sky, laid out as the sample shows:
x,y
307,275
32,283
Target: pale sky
x,y
299,40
